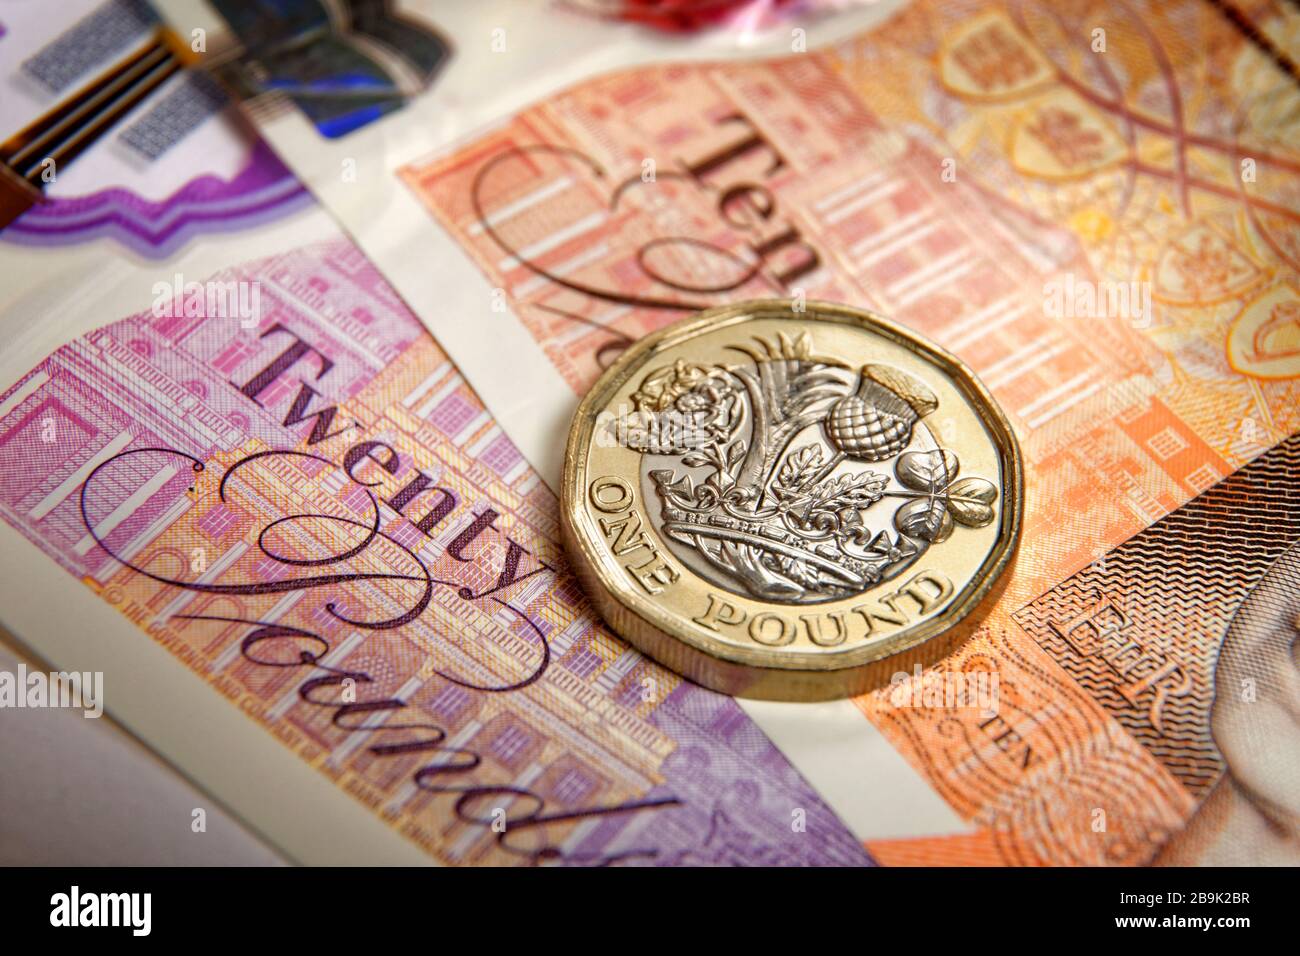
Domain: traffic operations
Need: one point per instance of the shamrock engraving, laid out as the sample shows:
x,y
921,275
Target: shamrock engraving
x,y
938,498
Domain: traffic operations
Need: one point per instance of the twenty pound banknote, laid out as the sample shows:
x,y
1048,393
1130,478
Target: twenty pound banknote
x,y
277,477
1097,207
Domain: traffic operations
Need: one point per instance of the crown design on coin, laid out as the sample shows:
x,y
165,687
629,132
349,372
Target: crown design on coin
x,y
793,478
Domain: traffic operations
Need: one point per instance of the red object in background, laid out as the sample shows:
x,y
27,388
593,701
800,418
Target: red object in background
x,y
688,16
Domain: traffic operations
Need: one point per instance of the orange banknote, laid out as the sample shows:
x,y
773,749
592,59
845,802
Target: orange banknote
x,y
1098,208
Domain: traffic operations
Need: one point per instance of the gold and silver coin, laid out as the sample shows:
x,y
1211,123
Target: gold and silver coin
x,y
789,503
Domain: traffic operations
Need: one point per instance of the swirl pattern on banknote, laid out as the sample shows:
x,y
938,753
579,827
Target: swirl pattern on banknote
x,y
315,514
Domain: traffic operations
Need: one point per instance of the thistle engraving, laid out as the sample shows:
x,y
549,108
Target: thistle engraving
x,y
760,471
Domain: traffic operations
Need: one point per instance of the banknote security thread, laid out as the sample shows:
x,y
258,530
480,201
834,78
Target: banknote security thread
x,y
789,502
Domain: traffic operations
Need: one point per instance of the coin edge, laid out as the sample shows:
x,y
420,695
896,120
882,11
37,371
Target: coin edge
x,y
735,670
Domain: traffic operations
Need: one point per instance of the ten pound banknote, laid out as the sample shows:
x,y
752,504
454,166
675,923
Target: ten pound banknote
x,y
306,506
1098,207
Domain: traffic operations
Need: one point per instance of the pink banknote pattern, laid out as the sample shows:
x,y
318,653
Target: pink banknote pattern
x,y
311,510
